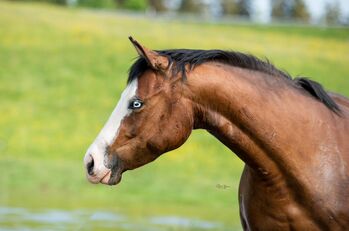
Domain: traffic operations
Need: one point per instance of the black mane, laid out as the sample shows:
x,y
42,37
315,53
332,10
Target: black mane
x,y
180,58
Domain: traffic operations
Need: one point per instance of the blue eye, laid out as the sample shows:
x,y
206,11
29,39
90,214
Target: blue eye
x,y
135,104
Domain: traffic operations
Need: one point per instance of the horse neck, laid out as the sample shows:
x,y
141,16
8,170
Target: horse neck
x,y
253,115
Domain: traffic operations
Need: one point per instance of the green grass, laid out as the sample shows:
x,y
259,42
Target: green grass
x,y
61,73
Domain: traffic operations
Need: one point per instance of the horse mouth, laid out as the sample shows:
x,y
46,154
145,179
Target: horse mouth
x,y
111,178
105,178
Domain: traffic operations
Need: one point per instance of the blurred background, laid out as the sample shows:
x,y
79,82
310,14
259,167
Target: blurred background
x,y
63,65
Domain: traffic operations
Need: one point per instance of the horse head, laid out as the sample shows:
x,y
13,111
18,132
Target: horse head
x,y
151,118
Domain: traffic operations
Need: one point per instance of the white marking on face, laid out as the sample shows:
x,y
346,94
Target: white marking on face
x,y
109,132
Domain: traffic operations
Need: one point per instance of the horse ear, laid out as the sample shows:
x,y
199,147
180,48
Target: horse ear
x,y
154,59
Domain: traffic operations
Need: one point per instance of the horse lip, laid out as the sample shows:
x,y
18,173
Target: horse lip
x,y
115,166
92,179
110,178
97,177
104,178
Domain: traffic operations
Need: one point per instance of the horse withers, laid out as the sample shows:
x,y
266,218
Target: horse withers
x,y
291,134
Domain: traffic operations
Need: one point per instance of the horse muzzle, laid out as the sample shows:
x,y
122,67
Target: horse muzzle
x,y
98,171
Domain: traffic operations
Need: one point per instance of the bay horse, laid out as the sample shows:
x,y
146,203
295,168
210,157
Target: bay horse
x,y
292,135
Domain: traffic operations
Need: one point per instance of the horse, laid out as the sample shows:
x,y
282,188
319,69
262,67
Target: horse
x,y
291,134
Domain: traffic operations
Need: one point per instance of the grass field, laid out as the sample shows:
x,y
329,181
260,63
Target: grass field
x,y
61,73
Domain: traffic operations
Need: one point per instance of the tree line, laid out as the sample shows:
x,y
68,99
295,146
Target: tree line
x,y
280,9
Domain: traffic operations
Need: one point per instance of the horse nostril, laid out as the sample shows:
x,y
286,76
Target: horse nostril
x,y
90,166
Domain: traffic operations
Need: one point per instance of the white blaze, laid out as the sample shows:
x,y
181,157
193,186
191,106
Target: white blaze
x,y
110,130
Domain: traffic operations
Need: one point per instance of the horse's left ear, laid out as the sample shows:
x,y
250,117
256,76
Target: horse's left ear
x,y
154,59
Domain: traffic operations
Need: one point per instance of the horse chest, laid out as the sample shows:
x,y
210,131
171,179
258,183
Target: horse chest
x,y
262,208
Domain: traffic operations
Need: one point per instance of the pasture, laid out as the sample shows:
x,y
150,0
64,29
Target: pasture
x,y
61,74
